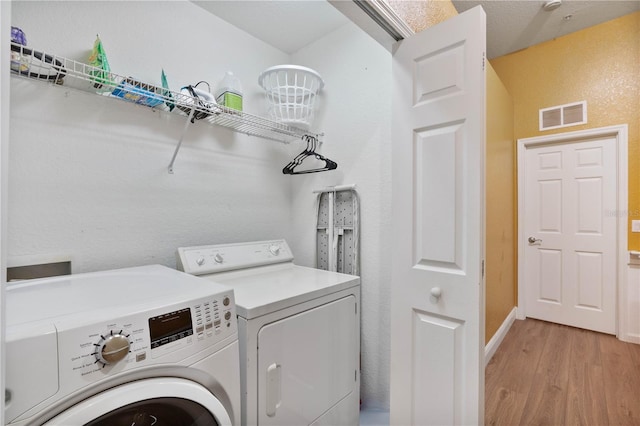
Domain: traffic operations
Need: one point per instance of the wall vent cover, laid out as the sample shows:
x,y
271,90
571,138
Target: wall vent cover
x,y
563,115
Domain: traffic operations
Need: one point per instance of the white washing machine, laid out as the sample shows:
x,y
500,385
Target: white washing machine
x,y
299,331
138,346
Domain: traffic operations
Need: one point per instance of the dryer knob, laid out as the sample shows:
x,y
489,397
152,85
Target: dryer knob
x,y
112,348
274,249
218,258
200,261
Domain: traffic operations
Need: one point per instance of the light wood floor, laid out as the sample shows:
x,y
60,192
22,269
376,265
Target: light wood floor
x,y
550,374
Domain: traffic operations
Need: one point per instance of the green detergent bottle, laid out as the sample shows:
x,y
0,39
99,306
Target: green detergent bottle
x,y
229,92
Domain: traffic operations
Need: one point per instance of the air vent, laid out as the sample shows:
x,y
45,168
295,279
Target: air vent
x,y
563,115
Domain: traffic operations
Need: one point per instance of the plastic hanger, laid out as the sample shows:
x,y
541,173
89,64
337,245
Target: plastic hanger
x,y
310,151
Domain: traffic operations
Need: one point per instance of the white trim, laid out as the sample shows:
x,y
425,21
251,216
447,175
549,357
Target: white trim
x,y
620,133
387,20
495,342
389,17
562,122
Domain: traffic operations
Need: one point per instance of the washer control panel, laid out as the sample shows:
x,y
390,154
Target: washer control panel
x,y
203,260
157,336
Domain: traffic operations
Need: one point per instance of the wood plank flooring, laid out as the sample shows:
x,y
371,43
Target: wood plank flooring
x,y
551,374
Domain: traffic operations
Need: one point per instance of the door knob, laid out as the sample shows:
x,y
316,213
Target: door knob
x,y
533,240
436,292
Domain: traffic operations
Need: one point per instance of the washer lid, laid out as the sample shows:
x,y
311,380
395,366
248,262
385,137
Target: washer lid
x,y
262,290
101,294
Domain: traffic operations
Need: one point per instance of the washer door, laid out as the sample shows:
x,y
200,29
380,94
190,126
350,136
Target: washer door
x,y
151,402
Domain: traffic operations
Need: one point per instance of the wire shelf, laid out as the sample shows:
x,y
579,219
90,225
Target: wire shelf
x,y
62,71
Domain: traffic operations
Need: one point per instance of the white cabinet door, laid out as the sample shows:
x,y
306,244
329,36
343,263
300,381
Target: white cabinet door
x,y
570,253
437,312
307,364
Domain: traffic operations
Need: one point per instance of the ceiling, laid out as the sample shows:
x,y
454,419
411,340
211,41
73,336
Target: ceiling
x,y
516,24
511,24
287,25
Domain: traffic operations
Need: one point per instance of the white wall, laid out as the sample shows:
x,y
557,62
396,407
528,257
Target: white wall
x,y
88,175
629,326
5,24
355,116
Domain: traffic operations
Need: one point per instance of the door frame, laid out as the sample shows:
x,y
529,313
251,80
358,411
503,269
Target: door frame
x,y
620,135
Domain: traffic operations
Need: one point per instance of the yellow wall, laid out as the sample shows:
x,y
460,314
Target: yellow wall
x,y
500,231
601,65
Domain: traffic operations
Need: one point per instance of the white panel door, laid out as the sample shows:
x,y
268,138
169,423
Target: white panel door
x,y
570,225
437,304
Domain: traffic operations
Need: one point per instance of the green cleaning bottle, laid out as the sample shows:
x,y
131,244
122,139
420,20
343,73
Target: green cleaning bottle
x,y
229,92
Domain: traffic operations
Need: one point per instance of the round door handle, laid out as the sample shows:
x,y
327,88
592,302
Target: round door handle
x,y
436,292
533,240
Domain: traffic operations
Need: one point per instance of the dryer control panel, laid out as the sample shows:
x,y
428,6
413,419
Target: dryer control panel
x,y
203,260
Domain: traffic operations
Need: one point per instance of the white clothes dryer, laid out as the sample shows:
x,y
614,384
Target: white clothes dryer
x,y
137,346
299,333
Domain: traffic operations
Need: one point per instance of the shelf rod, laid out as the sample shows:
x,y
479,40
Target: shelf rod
x,y
184,131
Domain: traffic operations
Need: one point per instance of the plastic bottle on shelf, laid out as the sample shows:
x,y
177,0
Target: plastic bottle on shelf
x,y
229,92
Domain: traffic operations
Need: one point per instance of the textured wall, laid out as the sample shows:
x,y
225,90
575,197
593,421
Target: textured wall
x,y
356,120
424,13
500,204
88,175
601,65
5,37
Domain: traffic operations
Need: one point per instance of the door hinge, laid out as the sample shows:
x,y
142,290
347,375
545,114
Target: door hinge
x,y
483,60
483,269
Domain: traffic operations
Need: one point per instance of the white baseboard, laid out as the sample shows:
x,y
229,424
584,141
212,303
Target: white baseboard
x,y
491,347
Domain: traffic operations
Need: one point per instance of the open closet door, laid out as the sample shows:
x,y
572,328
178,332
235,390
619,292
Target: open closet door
x,y
437,290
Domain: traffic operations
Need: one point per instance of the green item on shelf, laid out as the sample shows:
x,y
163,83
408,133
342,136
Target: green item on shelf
x,y
166,92
98,59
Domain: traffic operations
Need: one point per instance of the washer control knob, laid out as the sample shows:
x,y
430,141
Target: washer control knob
x,y
218,258
227,315
226,301
274,249
200,261
112,348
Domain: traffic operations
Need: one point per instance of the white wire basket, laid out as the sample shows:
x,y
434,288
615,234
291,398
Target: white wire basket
x,y
291,92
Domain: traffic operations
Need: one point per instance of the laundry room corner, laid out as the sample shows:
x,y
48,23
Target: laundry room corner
x,y
354,111
89,179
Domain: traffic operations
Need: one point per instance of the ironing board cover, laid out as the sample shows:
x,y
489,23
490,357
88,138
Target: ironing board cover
x,y
346,240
